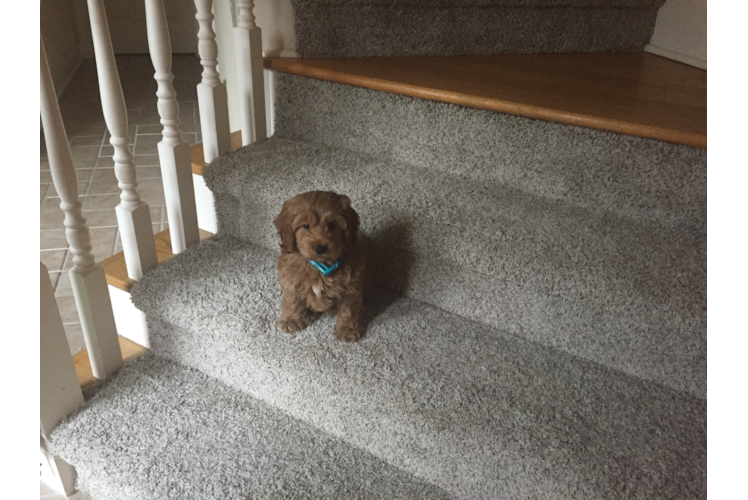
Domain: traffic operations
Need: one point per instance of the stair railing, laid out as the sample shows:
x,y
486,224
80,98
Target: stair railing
x,y
251,79
173,151
133,216
86,277
212,97
60,392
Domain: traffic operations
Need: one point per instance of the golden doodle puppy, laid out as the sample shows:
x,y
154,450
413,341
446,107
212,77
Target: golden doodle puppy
x,y
322,263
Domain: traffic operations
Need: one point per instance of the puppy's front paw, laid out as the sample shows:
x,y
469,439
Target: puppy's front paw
x,y
292,325
345,333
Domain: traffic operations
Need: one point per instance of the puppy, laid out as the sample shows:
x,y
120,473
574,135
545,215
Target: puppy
x,y
322,263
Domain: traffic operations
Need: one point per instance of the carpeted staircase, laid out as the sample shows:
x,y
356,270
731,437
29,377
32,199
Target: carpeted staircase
x,y
362,28
537,329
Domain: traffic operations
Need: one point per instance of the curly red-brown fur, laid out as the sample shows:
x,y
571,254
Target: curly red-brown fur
x,y
307,224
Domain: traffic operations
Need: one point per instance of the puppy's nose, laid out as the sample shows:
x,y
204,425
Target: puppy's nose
x,y
320,249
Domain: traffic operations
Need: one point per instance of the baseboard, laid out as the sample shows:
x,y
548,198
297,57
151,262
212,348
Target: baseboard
x,y
676,56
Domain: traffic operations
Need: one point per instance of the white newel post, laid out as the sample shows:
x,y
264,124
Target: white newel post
x,y
173,151
249,67
59,391
211,93
86,277
133,216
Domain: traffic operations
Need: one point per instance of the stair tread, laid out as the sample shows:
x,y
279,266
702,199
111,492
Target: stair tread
x,y
638,94
466,407
162,431
560,275
600,170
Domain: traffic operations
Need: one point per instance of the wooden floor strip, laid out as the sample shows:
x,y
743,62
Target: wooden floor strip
x,y
116,269
197,155
638,94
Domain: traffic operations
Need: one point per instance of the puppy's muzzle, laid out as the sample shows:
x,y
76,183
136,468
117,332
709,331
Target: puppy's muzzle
x,y
320,249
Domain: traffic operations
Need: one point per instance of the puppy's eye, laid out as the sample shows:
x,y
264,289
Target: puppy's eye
x,y
331,226
306,226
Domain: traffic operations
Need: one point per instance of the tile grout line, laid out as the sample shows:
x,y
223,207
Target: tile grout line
x,y
55,248
46,191
62,270
93,175
101,146
96,165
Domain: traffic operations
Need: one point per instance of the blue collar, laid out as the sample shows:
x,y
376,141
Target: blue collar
x,y
323,268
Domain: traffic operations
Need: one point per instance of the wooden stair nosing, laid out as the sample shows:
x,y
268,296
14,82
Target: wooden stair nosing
x,y
635,94
115,267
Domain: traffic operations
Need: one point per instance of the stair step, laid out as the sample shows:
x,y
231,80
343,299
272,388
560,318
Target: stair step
x,y
162,431
600,171
638,94
362,28
563,276
468,408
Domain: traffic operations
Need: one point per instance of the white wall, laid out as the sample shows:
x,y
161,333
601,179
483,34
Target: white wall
x,y
680,32
275,17
58,31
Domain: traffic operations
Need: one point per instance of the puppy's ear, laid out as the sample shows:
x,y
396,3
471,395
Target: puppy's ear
x,y
351,219
284,224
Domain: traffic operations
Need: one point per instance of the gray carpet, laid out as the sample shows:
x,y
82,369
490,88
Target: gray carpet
x,y
632,177
362,28
468,408
560,275
164,431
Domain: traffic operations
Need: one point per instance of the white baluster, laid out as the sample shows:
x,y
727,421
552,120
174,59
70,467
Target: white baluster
x,y
86,277
133,216
249,67
173,152
211,93
59,391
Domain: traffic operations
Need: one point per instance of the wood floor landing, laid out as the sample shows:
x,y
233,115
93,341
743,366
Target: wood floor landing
x,y
638,94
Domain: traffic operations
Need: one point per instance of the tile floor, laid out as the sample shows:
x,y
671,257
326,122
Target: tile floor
x,y
97,186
